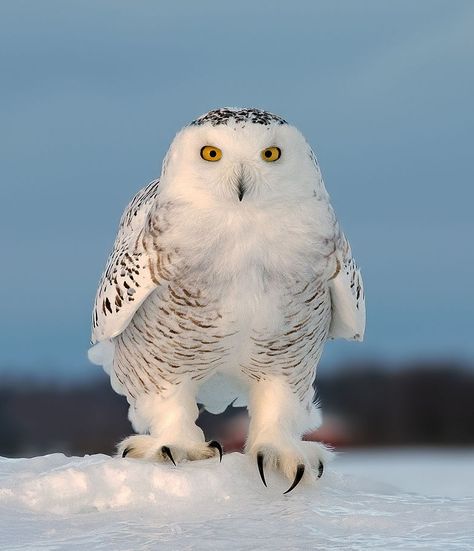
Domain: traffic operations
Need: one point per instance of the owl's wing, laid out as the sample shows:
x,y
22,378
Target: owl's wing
x,y
347,296
128,278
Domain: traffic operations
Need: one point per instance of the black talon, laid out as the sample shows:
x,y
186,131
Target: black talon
x,y
298,477
260,467
167,452
320,469
125,451
215,444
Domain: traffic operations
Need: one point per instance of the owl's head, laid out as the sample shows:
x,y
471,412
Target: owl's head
x,y
240,157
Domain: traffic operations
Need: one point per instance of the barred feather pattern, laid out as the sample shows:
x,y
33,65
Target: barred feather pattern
x,y
178,334
182,332
294,352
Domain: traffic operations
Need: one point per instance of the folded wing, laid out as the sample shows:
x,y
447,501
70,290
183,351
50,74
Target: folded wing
x,y
347,296
128,277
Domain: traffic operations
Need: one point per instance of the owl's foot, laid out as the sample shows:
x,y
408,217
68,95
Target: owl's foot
x,y
149,448
300,461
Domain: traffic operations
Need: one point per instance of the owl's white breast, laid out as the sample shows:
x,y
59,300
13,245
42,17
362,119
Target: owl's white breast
x,y
249,255
261,241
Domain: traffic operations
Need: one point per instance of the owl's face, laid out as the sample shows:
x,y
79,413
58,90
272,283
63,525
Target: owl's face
x,y
238,158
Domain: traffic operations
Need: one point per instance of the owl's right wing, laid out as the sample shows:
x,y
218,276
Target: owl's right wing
x,y
129,275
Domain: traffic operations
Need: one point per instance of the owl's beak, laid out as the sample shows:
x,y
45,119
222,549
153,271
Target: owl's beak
x,y
241,181
241,188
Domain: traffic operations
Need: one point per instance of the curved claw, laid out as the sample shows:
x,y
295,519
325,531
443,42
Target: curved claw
x,y
125,451
320,469
260,467
217,445
167,451
298,477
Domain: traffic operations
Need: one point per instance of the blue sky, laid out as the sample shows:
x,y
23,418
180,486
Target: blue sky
x,y
92,93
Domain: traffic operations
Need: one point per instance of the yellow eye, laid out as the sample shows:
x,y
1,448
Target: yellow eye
x,y
271,154
211,153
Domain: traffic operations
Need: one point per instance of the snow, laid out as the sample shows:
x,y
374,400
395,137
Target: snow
x,y
97,502
431,472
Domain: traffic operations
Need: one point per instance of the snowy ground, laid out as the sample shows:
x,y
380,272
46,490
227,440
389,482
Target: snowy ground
x,y
430,472
54,502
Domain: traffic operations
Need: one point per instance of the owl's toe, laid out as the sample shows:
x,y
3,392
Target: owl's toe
x,y
300,469
149,448
137,446
204,450
298,476
260,460
175,453
165,450
297,462
214,444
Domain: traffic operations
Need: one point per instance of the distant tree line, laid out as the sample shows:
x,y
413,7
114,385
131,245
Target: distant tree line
x,y
420,404
416,404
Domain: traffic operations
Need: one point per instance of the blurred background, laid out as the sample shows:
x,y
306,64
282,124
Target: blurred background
x,y
92,94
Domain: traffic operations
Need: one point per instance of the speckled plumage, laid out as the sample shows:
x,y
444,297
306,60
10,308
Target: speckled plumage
x,y
240,116
219,297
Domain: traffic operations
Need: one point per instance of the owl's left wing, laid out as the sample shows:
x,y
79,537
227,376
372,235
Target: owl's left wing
x,y
347,295
128,278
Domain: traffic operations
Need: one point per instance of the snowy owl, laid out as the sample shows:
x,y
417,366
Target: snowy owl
x,y
227,276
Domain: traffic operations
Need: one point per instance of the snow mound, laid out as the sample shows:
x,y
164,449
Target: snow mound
x,y
98,502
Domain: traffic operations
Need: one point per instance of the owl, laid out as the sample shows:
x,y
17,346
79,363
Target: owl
x,y
227,277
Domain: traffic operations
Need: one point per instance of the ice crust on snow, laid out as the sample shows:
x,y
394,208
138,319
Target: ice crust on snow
x,y
98,502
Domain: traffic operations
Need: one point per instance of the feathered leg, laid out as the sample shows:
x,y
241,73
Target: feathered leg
x,y
169,418
278,420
